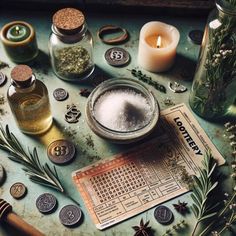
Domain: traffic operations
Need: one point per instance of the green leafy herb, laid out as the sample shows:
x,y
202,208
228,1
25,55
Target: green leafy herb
x,y
147,79
203,207
37,172
175,228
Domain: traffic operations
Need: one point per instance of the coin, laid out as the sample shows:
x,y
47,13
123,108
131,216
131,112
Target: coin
x,y
195,36
117,56
2,174
61,151
60,94
176,87
163,215
46,203
70,215
3,79
18,190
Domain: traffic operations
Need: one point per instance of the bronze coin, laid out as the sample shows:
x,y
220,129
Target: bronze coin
x,y
46,203
70,215
163,215
61,151
18,190
3,79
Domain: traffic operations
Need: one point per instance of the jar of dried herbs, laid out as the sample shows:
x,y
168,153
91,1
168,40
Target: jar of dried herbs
x,y
213,91
71,46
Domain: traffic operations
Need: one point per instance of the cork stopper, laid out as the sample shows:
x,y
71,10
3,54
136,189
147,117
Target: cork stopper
x,y
22,75
68,20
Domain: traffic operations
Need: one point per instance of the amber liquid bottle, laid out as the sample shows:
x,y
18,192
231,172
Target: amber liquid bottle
x,y
29,102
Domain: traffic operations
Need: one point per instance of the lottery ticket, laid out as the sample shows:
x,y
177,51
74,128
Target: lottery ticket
x,y
129,183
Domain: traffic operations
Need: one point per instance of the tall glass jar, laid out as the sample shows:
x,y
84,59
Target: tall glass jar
x,y
71,46
29,101
214,85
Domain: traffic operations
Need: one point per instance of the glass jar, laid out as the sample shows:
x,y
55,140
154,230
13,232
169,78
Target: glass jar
x,y
71,46
213,90
104,130
29,102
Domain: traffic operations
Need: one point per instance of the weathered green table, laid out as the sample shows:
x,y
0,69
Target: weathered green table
x,y
182,71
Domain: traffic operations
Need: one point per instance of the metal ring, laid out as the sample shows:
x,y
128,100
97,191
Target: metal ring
x,y
107,29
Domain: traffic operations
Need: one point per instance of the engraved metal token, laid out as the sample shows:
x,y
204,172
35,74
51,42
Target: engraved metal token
x,y
176,87
70,215
72,114
46,203
117,56
18,190
163,215
195,36
60,94
61,151
2,174
3,79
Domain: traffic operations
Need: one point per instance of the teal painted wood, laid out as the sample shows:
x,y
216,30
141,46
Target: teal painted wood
x,y
49,224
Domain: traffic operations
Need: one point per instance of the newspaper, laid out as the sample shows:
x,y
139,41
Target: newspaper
x,y
132,182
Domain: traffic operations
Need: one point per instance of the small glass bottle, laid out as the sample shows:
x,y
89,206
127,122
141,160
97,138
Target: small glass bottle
x,y
213,91
29,102
71,46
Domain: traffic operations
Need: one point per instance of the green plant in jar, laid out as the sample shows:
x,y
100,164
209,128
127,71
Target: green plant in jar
x,y
213,90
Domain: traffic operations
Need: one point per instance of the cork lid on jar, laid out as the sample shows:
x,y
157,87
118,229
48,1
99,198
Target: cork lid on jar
x,y
68,20
22,75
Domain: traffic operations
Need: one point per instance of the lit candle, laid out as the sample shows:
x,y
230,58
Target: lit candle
x,y
19,41
18,33
157,46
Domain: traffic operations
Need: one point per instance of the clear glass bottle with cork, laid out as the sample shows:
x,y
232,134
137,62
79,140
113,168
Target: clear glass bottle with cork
x,y
71,46
29,101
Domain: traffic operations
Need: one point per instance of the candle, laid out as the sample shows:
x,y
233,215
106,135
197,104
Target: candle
x,y
157,46
18,33
19,41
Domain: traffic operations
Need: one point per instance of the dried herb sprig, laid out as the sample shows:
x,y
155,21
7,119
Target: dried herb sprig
x,y
147,79
177,227
203,207
37,172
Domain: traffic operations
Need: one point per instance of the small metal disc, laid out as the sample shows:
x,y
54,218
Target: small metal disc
x,y
3,79
163,215
117,56
70,215
176,87
46,203
60,94
18,190
2,174
195,36
61,151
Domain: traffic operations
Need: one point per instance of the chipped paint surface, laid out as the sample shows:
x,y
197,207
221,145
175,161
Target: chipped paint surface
x,y
86,154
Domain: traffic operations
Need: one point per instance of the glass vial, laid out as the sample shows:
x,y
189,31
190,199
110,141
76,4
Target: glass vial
x,y
29,102
71,46
213,91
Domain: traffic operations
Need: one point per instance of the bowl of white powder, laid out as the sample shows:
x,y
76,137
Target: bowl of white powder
x,y
122,110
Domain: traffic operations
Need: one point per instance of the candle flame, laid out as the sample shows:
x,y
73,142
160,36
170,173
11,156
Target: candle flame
x,y
17,29
158,41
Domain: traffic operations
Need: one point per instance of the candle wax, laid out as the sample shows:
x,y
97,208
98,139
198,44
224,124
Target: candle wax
x,y
152,40
18,33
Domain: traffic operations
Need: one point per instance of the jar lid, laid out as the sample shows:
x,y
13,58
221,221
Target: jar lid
x,y
22,75
68,20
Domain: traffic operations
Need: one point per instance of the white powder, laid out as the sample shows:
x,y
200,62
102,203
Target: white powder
x,y
122,110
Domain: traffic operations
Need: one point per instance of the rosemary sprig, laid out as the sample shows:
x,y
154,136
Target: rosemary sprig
x,y
181,225
147,79
203,207
37,172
